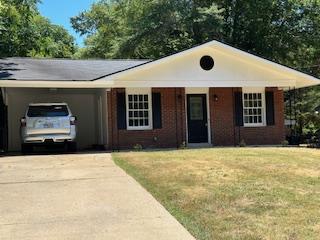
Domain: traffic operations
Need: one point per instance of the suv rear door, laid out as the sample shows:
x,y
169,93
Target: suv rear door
x,y
48,119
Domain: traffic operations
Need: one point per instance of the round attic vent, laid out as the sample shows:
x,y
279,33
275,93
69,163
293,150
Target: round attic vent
x,y
206,63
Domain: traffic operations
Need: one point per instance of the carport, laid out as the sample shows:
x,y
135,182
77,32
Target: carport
x,y
88,105
26,80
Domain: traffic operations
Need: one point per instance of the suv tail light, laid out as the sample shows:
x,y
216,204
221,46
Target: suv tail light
x,y
73,120
23,122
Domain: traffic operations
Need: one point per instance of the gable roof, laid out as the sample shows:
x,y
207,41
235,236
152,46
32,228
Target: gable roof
x,y
61,69
233,68
299,79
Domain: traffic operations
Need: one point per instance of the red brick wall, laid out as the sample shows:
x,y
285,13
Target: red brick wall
x,y
222,117
222,121
172,133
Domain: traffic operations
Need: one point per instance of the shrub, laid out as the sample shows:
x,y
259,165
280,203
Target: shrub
x,y
137,147
242,143
183,145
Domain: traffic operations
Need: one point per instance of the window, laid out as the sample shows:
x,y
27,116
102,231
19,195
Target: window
x,y
48,111
253,108
139,109
196,108
206,63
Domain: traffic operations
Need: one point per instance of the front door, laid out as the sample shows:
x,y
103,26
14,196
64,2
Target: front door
x,y
197,118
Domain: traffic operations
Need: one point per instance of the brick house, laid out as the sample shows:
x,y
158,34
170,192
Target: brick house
x,y
212,94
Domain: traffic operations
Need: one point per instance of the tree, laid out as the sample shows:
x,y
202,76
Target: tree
x,y
51,40
24,32
146,29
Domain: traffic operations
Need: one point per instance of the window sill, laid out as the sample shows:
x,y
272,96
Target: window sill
x,y
254,126
140,129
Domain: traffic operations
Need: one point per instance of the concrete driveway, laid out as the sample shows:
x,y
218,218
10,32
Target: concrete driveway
x,y
81,196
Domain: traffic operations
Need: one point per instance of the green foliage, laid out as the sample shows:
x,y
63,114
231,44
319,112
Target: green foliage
x,y
137,147
305,108
24,32
146,29
242,143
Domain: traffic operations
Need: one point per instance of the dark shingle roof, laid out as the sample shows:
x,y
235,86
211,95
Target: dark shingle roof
x,y
61,69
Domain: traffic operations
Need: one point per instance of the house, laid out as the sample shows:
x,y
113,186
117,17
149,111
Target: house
x,y
212,94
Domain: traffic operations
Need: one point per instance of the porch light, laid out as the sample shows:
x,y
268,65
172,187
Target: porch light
x,y
215,98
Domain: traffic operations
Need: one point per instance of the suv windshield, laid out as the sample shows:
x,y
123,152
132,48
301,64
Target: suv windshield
x,y
48,111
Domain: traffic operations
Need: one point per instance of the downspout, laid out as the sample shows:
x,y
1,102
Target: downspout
x,y
290,112
111,118
239,127
295,110
182,119
234,121
118,138
176,108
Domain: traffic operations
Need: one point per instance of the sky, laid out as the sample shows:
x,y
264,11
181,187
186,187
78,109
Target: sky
x,y
60,11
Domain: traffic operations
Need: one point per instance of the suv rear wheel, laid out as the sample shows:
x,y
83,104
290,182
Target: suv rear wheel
x,y
26,148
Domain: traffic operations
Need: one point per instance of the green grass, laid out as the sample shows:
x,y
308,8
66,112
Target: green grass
x,y
234,193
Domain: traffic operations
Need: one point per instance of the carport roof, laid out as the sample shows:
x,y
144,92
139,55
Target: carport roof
x,y
61,69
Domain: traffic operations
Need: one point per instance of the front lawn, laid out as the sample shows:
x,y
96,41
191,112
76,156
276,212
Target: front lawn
x,y
234,193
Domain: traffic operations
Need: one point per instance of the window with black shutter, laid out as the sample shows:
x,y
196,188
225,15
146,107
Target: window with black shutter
x,y
139,109
254,107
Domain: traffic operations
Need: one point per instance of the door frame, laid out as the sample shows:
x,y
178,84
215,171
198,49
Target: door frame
x,y
195,91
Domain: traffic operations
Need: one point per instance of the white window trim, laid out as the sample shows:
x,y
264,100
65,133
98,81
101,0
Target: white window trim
x,y
145,91
263,99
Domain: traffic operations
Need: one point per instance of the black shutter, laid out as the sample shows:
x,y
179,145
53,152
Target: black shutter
x,y
156,110
270,108
238,108
121,110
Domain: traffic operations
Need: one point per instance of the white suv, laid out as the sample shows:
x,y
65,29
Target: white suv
x,y
48,123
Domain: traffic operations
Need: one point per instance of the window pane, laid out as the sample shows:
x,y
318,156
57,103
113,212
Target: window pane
x,y
196,108
140,116
252,108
